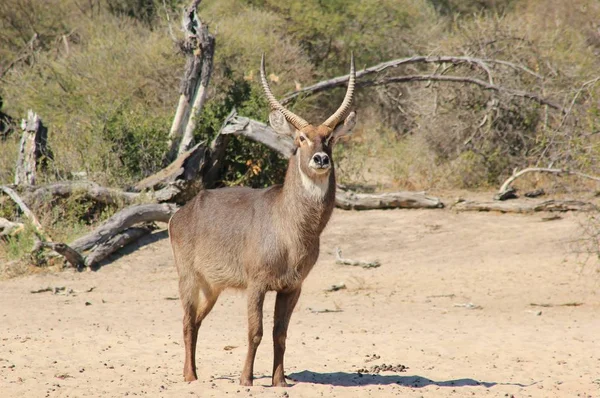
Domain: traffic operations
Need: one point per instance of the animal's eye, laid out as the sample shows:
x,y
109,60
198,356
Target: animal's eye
x,y
302,138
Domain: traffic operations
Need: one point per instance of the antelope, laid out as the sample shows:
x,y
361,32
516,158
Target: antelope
x,y
259,240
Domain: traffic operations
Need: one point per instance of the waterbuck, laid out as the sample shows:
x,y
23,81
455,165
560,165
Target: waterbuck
x,y
259,239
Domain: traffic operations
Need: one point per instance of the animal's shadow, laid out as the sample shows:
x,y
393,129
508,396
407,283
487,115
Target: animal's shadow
x,y
344,379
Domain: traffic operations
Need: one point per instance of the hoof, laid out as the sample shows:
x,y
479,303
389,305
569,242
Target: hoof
x,y
246,383
190,377
281,384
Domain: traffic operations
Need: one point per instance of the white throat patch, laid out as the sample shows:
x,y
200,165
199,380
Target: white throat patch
x,y
315,189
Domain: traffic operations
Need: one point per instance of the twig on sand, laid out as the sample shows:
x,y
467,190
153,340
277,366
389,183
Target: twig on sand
x,y
346,261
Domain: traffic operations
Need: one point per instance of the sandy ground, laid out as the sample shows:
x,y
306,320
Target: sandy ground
x,y
452,301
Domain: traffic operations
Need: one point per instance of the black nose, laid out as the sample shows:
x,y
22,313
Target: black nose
x,y
321,159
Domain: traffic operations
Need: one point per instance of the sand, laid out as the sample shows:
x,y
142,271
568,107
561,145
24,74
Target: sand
x,y
448,314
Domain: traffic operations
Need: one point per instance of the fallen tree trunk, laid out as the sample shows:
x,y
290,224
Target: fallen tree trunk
x,y
348,200
528,206
113,244
122,220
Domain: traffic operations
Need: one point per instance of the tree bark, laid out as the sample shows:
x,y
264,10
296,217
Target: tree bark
x,y
528,206
8,228
348,200
26,211
33,150
122,220
90,190
116,242
199,47
259,132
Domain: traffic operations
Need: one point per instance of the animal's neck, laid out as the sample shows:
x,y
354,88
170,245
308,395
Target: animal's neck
x,y
308,202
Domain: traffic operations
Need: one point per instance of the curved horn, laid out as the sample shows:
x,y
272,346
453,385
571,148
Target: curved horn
x,y
291,117
339,115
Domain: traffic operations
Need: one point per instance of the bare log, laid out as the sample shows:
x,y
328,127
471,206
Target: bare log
x,y
348,200
26,211
456,60
113,244
8,228
260,132
506,186
33,151
88,189
72,256
528,206
122,220
199,47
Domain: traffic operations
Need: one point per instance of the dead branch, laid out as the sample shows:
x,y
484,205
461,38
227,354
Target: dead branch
x,y
260,132
113,244
26,211
347,261
470,80
506,186
186,167
349,200
481,63
8,228
122,220
88,189
528,206
72,256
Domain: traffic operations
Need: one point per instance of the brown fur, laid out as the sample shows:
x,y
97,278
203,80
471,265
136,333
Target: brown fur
x,y
255,239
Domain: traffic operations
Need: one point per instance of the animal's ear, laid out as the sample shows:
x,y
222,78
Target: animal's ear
x,y
279,123
344,129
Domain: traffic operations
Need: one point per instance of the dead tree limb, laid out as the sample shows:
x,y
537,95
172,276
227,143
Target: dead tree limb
x,y
260,132
8,228
113,244
470,80
33,149
72,256
89,190
199,47
179,181
528,206
481,63
506,186
348,200
26,211
122,220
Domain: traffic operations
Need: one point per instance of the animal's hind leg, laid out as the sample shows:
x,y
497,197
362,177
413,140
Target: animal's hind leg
x,y
197,303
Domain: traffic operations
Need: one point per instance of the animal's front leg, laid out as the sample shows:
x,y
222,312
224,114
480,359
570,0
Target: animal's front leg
x,y
256,298
284,306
